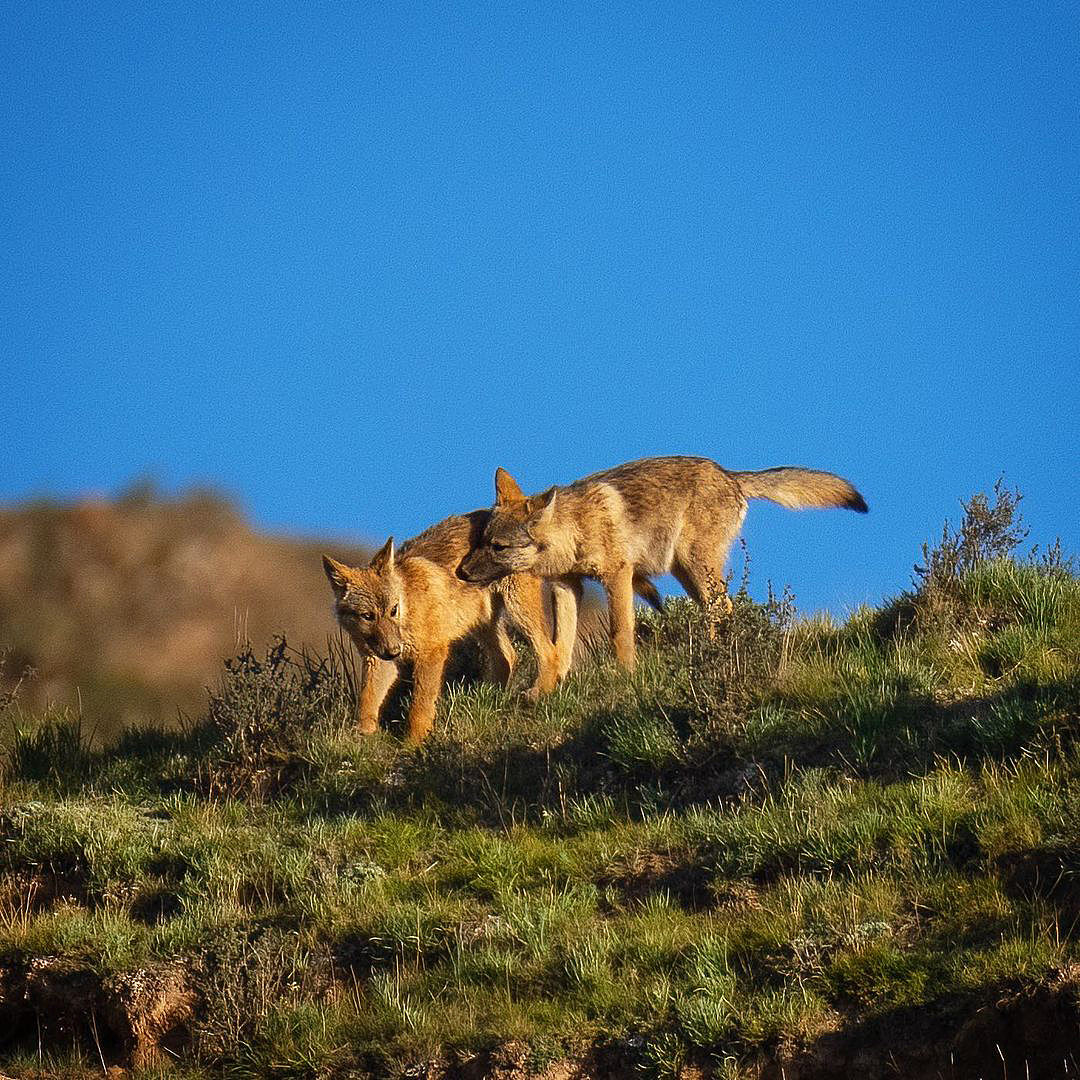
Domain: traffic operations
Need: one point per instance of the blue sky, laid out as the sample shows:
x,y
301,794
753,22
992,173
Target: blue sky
x,y
341,261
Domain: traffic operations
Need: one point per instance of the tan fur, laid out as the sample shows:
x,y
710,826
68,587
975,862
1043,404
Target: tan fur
x,y
519,601
404,610
621,526
420,607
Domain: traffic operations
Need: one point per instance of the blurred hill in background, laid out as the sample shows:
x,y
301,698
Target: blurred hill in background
x,y
126,607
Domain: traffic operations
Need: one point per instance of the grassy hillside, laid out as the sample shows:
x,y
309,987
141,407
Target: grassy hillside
x,y
796,848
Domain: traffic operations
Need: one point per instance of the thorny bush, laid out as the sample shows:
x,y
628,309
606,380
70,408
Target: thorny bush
x,y
988,530
265,710
729,659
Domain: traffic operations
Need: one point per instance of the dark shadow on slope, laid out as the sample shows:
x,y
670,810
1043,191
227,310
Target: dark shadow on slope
x,y
1050,875
651,750
1007,1031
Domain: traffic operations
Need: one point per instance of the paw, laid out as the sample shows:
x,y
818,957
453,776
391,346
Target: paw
x,y
540,688
418,731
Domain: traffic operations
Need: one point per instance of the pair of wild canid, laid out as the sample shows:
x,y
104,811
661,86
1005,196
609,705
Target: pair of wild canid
x,y
476,574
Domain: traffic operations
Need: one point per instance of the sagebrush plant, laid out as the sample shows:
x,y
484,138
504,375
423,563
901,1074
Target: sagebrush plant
x,y
738,658
991,530
265,711
988,530
719,662
774,830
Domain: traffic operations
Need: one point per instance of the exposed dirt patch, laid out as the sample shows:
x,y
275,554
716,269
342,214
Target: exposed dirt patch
x,y
151,1009
124,1019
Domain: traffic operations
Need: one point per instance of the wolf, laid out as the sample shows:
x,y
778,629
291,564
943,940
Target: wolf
x,y
400,610
653,516
410,606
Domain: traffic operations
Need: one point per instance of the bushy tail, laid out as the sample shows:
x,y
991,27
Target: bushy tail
x,y
798,488
648,592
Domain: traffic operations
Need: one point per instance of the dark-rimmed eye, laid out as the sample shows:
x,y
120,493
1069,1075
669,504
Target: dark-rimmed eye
x,y
496,546
393,612
367,616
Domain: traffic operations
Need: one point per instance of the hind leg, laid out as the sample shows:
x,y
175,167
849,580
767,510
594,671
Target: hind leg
x,y
699,568
620,590
704,581
702,550
648,592
565,601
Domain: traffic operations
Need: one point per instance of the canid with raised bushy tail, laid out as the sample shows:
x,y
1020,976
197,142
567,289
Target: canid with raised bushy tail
x,y
653,516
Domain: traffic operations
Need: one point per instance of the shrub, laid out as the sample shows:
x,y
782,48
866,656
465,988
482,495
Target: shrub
x,y
264,712
988,530
724,664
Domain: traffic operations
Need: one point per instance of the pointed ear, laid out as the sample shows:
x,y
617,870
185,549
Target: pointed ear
x,y
542,508
338,575
506,488
383,561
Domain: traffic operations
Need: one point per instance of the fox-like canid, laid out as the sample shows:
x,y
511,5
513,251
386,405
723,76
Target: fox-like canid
x,y
412,606
654,516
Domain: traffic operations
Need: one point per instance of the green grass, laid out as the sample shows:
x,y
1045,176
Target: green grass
x,y
798,827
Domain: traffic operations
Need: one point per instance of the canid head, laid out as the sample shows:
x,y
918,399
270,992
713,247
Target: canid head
x,y
369,603
515,534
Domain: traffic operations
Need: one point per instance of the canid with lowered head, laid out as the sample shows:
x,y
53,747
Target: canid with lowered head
x,y
410,606
653,516
404,610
